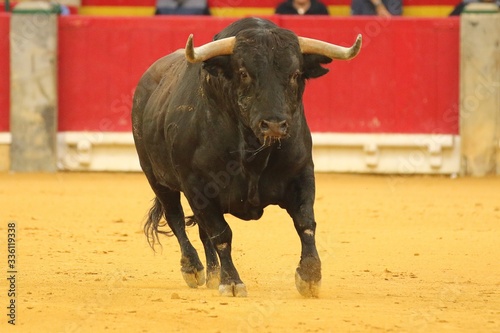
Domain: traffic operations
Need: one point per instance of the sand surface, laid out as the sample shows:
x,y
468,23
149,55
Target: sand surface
x,y
399,254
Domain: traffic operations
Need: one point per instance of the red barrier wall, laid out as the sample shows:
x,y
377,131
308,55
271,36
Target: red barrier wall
x,y
102,59
4,72
404,81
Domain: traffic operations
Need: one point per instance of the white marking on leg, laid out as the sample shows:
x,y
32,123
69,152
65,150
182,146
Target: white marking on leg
x,y
222,246
309,232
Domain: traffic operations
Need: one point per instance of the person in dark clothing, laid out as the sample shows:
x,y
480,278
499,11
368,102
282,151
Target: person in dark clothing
x,y
461,6
377,7
302,7
182,7
458,9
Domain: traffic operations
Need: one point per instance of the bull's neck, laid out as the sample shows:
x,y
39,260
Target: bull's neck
x,y
254,159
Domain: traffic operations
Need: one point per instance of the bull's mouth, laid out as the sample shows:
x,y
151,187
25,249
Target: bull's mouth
x,y
268,141
270,133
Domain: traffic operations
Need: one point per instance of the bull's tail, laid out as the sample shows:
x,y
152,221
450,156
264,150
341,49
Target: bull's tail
x,y
154,222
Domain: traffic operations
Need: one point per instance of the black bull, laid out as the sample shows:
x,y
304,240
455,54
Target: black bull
x,y
224,124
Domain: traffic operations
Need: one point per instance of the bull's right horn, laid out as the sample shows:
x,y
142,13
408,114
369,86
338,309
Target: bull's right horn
x,y
219,47
332,51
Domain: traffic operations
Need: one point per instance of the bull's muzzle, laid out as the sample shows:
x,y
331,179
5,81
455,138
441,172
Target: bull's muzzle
x,y
274,129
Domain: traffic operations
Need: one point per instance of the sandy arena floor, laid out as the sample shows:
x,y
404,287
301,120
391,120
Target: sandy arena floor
x,y
400,254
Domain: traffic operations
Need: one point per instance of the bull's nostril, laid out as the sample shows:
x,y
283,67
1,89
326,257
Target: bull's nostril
x,y
283,126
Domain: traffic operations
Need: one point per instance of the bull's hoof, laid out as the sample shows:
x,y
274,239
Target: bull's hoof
x,y
194,278
213,279
307,288
233,289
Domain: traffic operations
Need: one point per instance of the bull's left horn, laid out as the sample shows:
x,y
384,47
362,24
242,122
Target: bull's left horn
x,y
332,51
219,47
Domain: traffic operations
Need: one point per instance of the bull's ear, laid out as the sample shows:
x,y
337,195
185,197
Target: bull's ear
x,y
312,65
217,66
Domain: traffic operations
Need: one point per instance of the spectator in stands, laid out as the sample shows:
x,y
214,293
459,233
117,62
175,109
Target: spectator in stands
x,y
460,7
383,8
302,7
182,7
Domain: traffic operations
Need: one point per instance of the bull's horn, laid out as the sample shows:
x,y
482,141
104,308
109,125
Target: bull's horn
x,y
216,48
332,51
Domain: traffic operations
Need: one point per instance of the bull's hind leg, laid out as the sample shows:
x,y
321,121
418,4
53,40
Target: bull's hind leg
x,y
191,267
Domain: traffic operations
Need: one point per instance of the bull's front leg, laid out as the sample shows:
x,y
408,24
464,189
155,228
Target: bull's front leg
x,y
213,267
300,207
